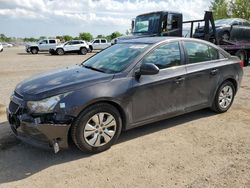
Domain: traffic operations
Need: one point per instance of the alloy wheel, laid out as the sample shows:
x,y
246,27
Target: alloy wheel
x,y
100,129
226,96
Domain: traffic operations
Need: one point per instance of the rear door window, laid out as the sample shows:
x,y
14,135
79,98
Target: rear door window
x,y
103,41
198,52
52,41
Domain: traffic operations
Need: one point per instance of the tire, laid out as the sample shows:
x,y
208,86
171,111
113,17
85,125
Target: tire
x,y
60,51
83,51
1,50
224,36
93,137
225,92
34,50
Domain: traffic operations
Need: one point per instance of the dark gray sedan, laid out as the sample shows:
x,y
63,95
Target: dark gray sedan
x,y
133,83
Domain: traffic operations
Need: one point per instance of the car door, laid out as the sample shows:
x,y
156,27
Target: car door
x,y
96,44
202,73
43,45
68,46
103,44
52,44
75,46
164,93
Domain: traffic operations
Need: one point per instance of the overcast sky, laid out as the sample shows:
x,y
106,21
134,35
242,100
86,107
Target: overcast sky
x,y
34,18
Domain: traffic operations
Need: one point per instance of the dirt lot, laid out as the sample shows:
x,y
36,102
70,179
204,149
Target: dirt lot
x,y
200,149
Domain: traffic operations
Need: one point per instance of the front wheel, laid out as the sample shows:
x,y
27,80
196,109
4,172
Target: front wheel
x,y
97,128
224,97
34,50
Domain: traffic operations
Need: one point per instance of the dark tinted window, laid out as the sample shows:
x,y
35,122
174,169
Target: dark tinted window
x,y
96,41
167,55
103,41
52,41
198,52
75,42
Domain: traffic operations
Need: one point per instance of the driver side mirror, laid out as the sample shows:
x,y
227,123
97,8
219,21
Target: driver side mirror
x,y
147,69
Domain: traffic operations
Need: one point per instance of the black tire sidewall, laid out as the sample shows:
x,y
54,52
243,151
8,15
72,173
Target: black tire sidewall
x,y
82,121
58,50
83,51
34,51
216,102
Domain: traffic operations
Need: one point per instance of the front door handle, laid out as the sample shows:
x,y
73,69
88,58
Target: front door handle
x,y
214,71
178,80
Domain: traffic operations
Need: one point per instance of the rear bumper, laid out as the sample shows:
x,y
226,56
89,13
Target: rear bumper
x,y
40,135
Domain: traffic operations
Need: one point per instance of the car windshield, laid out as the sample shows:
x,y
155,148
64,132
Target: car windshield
x,y
147,23
223,22
115,58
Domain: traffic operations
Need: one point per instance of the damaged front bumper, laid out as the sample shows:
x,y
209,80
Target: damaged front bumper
x,y
33,131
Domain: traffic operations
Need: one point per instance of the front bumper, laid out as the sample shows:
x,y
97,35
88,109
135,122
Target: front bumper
x,y
33,132
52,51
27,49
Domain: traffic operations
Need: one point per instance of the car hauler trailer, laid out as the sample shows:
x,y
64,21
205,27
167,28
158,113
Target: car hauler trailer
x,y
166,23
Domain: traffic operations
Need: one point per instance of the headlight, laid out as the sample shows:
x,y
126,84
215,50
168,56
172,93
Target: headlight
x,y
46,105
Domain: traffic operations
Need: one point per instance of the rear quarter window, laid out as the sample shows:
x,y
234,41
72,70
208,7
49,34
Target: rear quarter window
x,y
52,41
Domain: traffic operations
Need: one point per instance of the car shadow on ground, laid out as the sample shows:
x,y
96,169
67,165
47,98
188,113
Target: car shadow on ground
x,y
19,161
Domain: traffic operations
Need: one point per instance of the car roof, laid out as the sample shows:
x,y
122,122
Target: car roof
x,y
148,40
159,12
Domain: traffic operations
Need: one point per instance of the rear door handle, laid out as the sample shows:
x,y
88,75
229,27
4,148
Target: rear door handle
x,y
178,80
214,71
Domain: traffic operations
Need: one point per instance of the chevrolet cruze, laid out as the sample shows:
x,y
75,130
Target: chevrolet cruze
x,y
129,84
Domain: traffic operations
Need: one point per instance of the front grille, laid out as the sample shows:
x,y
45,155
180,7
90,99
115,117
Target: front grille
x,y
13,107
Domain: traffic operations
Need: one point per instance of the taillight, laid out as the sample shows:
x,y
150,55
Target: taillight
x,y
241,63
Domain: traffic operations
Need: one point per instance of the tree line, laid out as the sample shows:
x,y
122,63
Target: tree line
x,y
82,36
231,9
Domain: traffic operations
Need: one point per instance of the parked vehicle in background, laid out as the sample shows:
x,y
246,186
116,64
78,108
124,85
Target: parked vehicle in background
x,y
41,46
224,27
99,44
73,46
6,45
129,84
1,47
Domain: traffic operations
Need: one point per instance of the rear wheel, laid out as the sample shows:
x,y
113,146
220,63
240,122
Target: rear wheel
x,y
34,50
225,35
60,51
224,97
97,128
83,51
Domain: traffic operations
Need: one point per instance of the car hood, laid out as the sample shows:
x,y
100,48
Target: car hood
x,y
60,81
31,44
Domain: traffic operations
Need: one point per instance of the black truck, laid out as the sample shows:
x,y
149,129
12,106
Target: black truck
x,y
166,23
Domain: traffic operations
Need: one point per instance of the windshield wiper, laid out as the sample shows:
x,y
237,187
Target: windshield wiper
x,y
93,68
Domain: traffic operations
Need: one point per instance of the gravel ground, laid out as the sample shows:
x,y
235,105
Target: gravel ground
x,y
199,149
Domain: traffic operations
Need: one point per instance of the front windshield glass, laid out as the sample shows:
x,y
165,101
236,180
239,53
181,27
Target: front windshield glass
x,y
147,23
223,22
115,58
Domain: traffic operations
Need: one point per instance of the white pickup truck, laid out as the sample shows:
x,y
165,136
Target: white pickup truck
x,y
98,44
42,45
